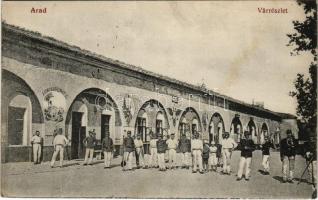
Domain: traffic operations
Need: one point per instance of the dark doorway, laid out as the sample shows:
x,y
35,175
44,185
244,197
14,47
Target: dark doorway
x,y
15,125
78,135
104,126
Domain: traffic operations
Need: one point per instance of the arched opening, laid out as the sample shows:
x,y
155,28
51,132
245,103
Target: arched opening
x,y
264,133
251,128
20,120
151,117
189,123
216,128
92,109
21,116
236,130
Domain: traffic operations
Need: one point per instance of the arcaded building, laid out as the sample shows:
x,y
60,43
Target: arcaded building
x,y
47,85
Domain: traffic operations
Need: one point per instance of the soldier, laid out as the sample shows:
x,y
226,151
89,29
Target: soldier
x,y
161,149
197,149
153,158
139,145
172,144
36,142
90,143
266,153
213,158
311,159
129,148
108,148
185,149
205,155
58,143
247,147
287,155
228,145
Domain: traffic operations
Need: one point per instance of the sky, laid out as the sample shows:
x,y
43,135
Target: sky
x,y
227,45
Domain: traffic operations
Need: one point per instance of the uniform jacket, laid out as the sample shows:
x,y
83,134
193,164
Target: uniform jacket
x,y
247,147
161,146
90,142
266,147
206,151
288,148
129,144
184,145
107,145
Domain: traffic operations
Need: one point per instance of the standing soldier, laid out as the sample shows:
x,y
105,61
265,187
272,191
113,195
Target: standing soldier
x,y
205,155
185,149
311,160
107,147
161,149
266,152
90,143
36,142
153,158
58,143
287,155
139,145
247,147
172,144
228,145
129,148
213,158
196,149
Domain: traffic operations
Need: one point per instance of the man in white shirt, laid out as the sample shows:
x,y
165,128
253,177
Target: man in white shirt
x,y
228,145
36,142
139,145
59,142
172,144
197,149
153,158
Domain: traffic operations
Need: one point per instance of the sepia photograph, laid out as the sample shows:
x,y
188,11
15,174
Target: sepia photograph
x,y
159,99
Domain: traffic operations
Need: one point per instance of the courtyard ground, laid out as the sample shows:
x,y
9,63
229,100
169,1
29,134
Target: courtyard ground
x,y
75,180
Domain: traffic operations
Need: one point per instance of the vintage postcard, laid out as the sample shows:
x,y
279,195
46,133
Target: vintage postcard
x,y
159,99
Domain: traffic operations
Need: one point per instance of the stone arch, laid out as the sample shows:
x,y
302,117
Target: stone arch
x,y
151,117
102,115
252,129
236,130
264,132
189,122
18,98
216,127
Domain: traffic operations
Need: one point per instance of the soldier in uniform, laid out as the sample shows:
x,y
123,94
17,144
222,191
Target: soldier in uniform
x,y
129,148
90,143
228,145
59,142
161,149
206,155
287,154
311,160
108,148
247,147
153,158
172,144
266,153
185,149
213,158
36,142
139,145
197,149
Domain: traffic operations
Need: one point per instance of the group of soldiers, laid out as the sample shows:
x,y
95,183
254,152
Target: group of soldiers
x,y
197,154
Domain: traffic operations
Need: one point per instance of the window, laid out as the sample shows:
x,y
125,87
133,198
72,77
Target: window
x,y
194,128
141,129
159,129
